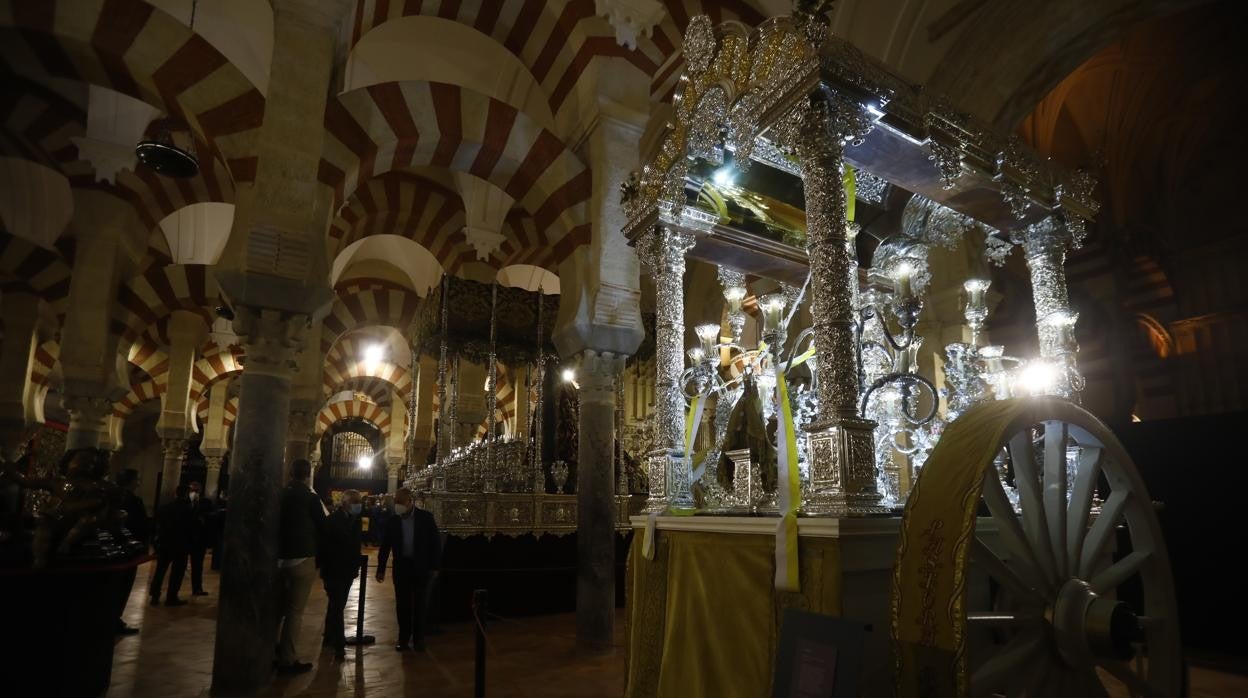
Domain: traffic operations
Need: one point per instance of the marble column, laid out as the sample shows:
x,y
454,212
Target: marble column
x,y
299,432
841,444
247,615
173,451
20,314
595,501
212,475
1044,244
662,251
88,420
394,467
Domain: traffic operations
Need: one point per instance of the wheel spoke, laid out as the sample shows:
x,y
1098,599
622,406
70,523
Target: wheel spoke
x,y
1010,530
992,620
1055,491
1022,456
1133,681
1006,666
1119,572
1102,532
1080,509
1004,573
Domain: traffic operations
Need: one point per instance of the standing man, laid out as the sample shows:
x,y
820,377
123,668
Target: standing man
x,y
340,560
202,526
135,522
299,528
412,535
173,544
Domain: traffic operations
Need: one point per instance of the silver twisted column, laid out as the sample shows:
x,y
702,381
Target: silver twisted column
x,y
662,251
843,476
1044,244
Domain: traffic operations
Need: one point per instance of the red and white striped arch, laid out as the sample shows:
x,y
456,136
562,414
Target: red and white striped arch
x,y
133,48
404,204
231,410
341,368
374,414
557,39
139,394
391,126
146,356
216,365
365,304
379,390
152,296
28,267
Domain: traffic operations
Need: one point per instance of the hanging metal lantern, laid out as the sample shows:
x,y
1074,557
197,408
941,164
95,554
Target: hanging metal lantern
x,y
164,156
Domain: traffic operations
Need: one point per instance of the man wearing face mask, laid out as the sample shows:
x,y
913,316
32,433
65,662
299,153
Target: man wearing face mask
x,y
340,560
412,535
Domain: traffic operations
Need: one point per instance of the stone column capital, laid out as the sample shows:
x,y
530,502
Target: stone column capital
x,y
272,339
596,375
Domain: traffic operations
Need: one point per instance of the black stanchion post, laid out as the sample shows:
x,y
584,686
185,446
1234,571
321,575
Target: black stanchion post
x,y
360,638
479,603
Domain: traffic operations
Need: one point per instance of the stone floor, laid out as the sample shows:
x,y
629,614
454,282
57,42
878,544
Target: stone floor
x,y
172,656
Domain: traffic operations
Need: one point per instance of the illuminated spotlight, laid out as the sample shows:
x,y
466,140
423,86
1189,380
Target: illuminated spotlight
x,y
374,353
1039,377
568,375
724,176
366,462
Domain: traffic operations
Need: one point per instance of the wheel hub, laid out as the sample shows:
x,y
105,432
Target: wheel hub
x,y
1087,627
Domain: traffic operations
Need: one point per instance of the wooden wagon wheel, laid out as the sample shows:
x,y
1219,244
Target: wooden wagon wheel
x,y
1084,600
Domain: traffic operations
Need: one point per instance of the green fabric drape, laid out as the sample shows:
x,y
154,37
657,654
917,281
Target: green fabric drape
x,y
704,615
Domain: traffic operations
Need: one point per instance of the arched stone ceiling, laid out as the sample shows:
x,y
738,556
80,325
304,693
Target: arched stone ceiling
x,y
434,49
420,269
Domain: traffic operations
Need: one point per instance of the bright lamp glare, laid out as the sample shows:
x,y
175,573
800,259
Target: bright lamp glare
x,y
724,177
366,462
374,353
568,375
1039,377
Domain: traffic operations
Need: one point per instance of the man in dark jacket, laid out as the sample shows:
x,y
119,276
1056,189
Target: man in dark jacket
x,y
340,561
173,544
299,528
202,530
136,522
412,535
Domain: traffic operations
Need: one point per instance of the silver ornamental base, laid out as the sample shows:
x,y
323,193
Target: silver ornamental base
x,y
656,470
842,469
747,485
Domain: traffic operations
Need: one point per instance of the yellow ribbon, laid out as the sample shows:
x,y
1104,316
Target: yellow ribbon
x,y
851,191
787,576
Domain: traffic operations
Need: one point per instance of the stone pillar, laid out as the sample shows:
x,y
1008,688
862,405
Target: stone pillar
x,y
173,451
212,475
662,251
247,614
299,432
595,501
1044,244
843,477
88,419
394,467
20,314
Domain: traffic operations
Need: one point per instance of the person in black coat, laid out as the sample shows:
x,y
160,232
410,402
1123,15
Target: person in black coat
x,y
202,533
340,562
173,545
412,535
